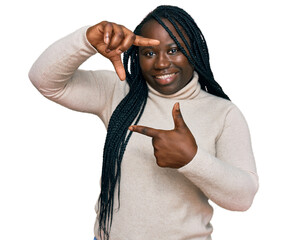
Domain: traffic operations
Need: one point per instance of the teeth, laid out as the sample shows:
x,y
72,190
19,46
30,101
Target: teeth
x,y
165,76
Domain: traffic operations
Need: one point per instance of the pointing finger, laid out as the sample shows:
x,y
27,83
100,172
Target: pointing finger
x,y
141,41
177,116
150,132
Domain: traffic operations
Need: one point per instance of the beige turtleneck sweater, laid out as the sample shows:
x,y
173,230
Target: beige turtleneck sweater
x,y
158,203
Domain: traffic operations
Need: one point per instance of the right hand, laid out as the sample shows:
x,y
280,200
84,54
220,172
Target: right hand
x,y
111,39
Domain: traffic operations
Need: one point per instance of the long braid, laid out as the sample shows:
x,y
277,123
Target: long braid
x,y
128,112
131,108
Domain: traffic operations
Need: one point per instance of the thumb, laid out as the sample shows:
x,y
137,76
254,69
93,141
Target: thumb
x,y
177,117
118,66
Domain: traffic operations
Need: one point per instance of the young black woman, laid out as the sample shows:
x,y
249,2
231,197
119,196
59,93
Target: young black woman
x,y
190,142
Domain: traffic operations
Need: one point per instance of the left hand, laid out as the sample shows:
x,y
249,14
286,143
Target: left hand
x,y
172,148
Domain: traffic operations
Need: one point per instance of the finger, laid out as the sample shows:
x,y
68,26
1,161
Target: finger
x,y
128,39
150,132
141,41
107,32
127,42
117,37
177,116
118,66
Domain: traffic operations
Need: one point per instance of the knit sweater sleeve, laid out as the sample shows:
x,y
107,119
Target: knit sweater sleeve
x,y
229,179
56,75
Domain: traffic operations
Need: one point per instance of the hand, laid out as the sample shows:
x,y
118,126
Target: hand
x,y
111,39
172,148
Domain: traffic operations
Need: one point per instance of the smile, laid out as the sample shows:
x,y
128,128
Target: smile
x,y
166,76
165,79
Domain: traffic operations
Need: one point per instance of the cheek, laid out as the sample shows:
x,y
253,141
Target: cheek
x,y
142,64
188,68
145,65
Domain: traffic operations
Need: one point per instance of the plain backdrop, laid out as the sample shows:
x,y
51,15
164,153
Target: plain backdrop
x,y
51,156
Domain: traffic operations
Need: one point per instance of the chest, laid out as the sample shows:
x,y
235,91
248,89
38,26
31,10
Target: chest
x,y
204,123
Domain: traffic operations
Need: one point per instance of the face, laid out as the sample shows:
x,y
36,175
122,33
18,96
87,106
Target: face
x,y
164,67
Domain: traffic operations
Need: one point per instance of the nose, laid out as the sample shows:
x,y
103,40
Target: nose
x,y
162,61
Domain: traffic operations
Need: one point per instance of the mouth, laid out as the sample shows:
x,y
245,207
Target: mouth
x,y
165,79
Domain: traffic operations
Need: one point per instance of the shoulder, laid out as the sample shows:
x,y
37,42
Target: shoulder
x,y
220,109
215,103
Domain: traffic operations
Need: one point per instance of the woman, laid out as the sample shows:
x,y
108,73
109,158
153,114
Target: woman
x,y
155,183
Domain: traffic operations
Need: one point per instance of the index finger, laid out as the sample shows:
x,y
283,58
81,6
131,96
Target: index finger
x,y
141,41
150,132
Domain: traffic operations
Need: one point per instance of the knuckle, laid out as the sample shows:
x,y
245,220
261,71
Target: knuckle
x,y
157,154
144,130
159,159
156,147
132,36
103,22
160,136
160,163
119,34
108,24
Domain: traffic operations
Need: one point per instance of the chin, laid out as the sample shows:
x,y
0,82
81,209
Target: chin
x,y
167,91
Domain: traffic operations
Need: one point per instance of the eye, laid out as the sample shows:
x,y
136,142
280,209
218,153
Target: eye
x,y
173,51
149,54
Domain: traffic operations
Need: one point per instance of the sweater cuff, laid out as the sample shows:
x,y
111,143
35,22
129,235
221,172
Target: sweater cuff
x,y
197,166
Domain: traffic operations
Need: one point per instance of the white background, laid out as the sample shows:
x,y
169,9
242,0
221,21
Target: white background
x,y
51,156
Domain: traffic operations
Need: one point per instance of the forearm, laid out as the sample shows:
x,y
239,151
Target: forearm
x,y
55,67
228,186
229,177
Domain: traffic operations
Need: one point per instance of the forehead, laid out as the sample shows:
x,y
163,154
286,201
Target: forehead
x,y
153,29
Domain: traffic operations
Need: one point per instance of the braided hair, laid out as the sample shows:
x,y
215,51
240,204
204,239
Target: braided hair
x,y
130,109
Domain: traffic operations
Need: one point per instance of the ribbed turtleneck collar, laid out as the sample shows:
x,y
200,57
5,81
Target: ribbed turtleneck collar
x,y
190,91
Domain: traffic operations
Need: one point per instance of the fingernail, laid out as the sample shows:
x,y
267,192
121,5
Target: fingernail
x,y
177,106
131,128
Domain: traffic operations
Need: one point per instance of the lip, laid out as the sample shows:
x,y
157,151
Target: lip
x,y
165,78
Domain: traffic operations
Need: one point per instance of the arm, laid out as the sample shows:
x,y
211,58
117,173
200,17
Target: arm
x,y
55,74
229,179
